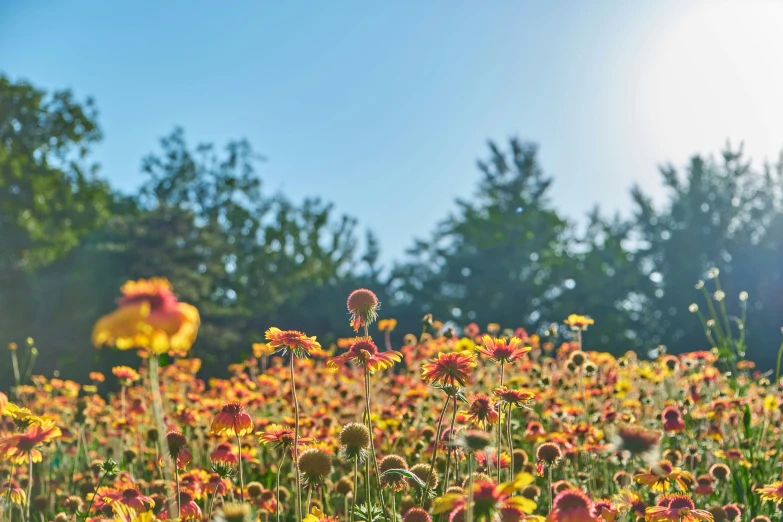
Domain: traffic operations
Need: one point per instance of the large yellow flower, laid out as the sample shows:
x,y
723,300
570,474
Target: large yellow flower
x,y
149,316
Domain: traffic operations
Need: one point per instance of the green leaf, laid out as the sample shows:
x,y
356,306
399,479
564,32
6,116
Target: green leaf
x,y
405,473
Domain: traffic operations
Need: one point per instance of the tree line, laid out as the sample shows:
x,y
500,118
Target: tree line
x,y
249,259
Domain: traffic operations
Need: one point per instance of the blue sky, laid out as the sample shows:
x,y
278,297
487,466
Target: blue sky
x,y
383,108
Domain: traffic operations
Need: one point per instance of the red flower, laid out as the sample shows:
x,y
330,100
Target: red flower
x,y
514,397
672,420
501,351
365,353
482,411
20,448
676,508
131,498
281,437
232,420
452,369
572,505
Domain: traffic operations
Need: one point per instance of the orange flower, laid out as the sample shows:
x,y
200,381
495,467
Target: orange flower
x,y
15,494
176,443
514,397
261,349
501,351
20,448
281,436
97,377
232,420
662,475
125,374
149,317
773,492
579,322
291,340
676,508
365,353
387,325
449,369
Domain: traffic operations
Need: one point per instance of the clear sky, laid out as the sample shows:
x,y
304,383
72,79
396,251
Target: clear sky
x,y
383,107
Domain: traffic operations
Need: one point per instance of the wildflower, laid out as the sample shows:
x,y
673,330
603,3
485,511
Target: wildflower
x,y
501,351
126,375
355,440
15,494
290,340
176,442
315,465
232,420
733,512
578,322
514,397
472,441
704,485
672,420
422,471
188,509
450,369
316,515
773,492
720,471
233,512
363,305
281,437
23,447
224,460
676,508
662,475
572,505
637,440
394,481
262,349
387,325
132,498
150,317
482,411
365,353
416,514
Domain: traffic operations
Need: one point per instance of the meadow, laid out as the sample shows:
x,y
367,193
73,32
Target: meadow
x,y
461,424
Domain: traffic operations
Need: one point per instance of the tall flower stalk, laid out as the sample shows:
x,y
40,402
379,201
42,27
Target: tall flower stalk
x,y
300,346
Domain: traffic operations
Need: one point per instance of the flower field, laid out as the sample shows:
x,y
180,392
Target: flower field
x,y
478,424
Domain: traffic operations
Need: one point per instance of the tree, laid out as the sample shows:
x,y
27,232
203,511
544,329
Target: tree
x,y
500,258
722,214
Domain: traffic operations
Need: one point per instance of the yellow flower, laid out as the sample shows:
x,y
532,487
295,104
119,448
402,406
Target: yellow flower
x,y
771,403
387,325
579,322
149,316
464,345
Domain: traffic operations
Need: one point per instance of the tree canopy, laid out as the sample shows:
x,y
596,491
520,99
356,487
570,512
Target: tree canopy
x,y
248,259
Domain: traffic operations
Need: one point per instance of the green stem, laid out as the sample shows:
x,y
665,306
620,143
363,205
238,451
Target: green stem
x,y
241,479
355,486
500,425
176,480
277,490
469,508
777,373
296,445
160,423
426,491
92,500
372,439
29,486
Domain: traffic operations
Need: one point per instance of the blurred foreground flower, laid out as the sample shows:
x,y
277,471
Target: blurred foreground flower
x,y
148,316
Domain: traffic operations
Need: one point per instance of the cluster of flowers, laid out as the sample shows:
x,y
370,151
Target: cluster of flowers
x,y
496,425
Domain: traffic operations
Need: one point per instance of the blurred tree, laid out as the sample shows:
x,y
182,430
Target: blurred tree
x,y
720,214
500,258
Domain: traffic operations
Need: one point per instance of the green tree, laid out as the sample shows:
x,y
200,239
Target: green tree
x,y
719,213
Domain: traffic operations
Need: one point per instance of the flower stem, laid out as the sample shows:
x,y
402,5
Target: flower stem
x,y
426,491
29,485
355,486
160,423
469,508
296,444
241,479
777,373
500,424
277,491
95,493
176,481
372,439
510,442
